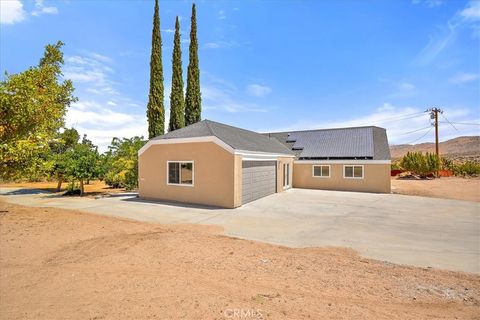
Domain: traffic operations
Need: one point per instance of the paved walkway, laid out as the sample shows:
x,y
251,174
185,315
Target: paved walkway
x,y
401,229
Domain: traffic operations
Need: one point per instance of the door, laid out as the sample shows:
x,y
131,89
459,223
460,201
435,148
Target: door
x,y
258,179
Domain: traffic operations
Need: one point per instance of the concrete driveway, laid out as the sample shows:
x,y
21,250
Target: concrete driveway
x,y
401,229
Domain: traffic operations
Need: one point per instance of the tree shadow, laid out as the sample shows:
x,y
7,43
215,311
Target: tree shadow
x,y
20,192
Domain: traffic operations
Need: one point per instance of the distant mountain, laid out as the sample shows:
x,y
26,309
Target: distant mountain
x,y
461,147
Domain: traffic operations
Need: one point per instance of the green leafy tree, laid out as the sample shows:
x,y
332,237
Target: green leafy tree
x,y
81,164
121,162
193,99
33,104
177,103
66,141
155,108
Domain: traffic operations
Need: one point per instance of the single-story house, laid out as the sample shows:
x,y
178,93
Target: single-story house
x,y
214,164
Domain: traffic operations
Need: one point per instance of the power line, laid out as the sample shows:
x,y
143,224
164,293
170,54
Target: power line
x,y
463,123
421,136
413,131
398,118
449,122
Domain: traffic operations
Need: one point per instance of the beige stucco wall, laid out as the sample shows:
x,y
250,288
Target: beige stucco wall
x,y
214,174
376,178
280,177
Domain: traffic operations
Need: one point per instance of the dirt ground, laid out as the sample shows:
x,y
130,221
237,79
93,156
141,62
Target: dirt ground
x,y
93,188
61,264
446,188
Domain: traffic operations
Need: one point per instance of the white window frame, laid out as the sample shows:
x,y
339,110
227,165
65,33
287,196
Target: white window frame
x,y
353,171
180,173
322,165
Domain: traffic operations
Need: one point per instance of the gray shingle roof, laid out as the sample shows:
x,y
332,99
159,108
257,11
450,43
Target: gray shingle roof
x,y
341,143
239,139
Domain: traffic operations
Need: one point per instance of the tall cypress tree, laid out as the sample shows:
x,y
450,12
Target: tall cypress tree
x,y
193,99
155,108
177,102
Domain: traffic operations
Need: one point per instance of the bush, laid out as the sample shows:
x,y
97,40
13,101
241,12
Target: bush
x,y
420,164
468,168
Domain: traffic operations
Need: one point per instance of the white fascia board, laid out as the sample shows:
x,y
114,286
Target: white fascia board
x,y
187,140
256,158
245,154
342,162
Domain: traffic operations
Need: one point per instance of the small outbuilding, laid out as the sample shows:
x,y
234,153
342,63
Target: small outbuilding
x,y
214,164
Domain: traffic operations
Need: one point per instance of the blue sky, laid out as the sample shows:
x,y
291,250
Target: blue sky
x,y
265,65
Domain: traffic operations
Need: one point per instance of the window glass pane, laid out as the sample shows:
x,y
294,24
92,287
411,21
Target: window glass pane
x,y
317,171
325,171
187,173
358,172
173,172
348,172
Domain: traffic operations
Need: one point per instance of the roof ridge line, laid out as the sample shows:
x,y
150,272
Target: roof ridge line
x,y
324,129
209,127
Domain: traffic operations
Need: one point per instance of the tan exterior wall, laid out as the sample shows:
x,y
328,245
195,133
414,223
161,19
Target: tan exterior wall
x,y
280,177
376,178
214,174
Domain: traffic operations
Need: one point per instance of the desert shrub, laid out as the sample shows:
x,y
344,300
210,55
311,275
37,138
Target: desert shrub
x,y
395,165
420,164
468,168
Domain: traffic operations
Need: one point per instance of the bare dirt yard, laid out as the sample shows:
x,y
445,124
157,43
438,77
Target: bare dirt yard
x,y
61,264
447,188
93,188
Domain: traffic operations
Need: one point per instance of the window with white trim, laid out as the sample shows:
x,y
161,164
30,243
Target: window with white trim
x,y
321,171
353,172
180,172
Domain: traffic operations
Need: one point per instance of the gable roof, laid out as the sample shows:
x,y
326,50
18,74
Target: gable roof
x,y
341,143
237,138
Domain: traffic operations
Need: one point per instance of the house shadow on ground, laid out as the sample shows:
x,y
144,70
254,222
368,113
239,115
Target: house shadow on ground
x,y
170,203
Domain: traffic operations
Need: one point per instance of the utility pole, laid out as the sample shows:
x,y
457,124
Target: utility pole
x,y
434,116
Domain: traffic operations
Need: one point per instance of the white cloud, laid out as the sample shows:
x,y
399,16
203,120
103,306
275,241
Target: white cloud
x,y
102,112
222,15
429,3
399,122
101,124
464,77
406,86
168,30
11,12
221,44
446,35
472,11
258,90
223,96
40,9
211,45
93,69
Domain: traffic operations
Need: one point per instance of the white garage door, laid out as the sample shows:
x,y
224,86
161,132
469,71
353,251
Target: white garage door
x,y
258,179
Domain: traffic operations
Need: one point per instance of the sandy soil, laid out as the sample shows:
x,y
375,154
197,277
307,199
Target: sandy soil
x,y
447,188
61,264
93,188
